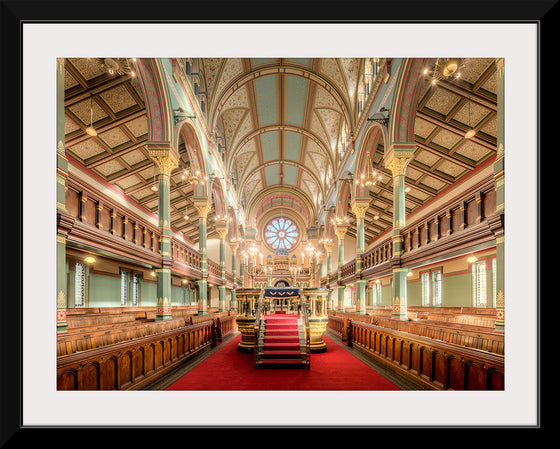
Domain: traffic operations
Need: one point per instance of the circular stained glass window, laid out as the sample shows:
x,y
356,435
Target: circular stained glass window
x,y
281,233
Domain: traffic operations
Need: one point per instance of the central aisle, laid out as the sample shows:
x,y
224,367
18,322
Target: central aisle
x,y
336,369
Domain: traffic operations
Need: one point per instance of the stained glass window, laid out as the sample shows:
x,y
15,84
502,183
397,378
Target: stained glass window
x,y
281,233
479,283
124,288
80,285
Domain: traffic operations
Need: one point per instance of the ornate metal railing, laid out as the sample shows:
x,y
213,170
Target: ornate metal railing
x,y
259,329
305,320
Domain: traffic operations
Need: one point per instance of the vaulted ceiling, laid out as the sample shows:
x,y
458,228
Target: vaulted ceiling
x,y
281,123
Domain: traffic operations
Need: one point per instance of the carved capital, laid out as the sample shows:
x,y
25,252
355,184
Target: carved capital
x,y
202,207
359,208
166,161
340,231
222,231
398,165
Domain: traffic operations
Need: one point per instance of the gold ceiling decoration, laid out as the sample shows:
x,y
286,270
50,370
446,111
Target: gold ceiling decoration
x,y
447,69
117,66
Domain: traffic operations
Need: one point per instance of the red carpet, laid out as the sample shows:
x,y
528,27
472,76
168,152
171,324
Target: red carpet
x,y
281,342
229,370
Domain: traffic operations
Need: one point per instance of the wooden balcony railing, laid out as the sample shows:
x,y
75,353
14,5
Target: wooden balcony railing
x,y
133,364
96,220
428,362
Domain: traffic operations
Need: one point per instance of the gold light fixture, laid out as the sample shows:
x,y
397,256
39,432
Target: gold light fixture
x,y
472,259
446,69
89,259
90,129
193,178
154,186
370,178
471,132
117,66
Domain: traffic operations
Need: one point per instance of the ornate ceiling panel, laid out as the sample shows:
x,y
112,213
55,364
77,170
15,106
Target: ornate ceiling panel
x,y
281,122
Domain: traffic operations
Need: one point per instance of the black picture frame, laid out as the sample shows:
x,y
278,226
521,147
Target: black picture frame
x,y
14,14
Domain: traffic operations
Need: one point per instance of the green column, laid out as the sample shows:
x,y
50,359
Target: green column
x,y
61,176
242,272
166,159
359,207
233,302
221,228
397,161
340,232
328,247
203,207
499,301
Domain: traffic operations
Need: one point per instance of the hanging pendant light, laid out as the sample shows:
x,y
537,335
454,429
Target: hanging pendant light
x,y
90,129
471,132
154,186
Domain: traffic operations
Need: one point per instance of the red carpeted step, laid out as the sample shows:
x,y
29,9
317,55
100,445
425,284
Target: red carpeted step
x,y
281,346
281,339
282,331
281,355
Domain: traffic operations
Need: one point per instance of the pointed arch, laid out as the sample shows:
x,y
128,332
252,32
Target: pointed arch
x,y
186,134
156,98
405,101
375,134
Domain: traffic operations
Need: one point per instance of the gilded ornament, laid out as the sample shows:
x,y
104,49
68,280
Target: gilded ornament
x,y
61,300
500,299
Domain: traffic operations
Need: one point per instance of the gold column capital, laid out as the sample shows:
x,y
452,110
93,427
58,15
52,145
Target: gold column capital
x,y
166,160
359,208
398,157
340,231
222,231
397,165
202,207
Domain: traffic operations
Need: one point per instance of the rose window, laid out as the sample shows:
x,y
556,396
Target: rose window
x,y
281,233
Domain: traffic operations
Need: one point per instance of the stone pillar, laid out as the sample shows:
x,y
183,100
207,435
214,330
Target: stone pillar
x,y
359,207
166,160
202,207
328,248
221,228
234,246
397,160
61,176
340,231
500,203
242,271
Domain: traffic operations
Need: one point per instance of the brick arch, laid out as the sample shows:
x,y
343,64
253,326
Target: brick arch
x,y
405,101
187,133
218,197
374,135
158,106
343,198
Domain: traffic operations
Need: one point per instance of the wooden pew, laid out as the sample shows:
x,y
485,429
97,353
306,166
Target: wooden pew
x,y
133,364
430,363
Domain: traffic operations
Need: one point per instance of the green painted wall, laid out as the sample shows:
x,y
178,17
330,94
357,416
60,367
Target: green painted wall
x,y
456,290
104,291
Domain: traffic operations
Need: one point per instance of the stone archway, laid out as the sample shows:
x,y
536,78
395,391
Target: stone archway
x,y
280,283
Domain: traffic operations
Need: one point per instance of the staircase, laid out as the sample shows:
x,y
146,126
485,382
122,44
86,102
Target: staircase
x,y
282,342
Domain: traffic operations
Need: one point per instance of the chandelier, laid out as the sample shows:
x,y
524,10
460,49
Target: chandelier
x,y
117,66
370,178
446,69
193,177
